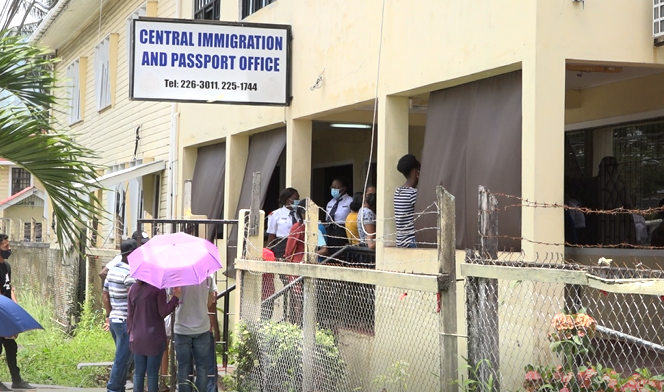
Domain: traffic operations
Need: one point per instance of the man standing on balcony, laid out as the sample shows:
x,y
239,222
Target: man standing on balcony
x,y
116,292
9,342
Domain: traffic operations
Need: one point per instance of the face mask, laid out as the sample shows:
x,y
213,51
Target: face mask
x,y
371,200
335,193
6,253
295,203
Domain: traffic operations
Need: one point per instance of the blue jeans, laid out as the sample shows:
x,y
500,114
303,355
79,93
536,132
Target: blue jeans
x,y
198,346
212,364
150,365
118,379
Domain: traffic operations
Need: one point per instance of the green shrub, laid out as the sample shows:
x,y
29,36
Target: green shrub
x,y
51,356
271,352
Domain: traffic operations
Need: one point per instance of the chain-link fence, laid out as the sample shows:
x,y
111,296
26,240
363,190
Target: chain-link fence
x,y
536,325
308,334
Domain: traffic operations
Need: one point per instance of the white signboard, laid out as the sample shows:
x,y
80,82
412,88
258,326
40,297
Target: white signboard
x,y
210,62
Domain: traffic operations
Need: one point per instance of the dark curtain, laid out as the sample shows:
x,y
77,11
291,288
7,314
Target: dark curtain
x,y
472,138
264,151
207,190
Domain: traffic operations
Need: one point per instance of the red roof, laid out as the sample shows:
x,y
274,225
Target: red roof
x,y
17,195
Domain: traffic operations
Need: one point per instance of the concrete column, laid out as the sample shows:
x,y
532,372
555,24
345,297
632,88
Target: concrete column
x,y
237,151
543,150
392,141
298,156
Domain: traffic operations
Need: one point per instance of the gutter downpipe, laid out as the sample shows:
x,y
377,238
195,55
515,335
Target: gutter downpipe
x,y
173,152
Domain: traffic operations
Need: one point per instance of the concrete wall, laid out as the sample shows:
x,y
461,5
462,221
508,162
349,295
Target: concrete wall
x,y
44,270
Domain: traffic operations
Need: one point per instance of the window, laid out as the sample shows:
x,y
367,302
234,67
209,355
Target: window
x,y
140,11
115,207
135,205
103,85
251,6
207,9
21,179
612,167
75,91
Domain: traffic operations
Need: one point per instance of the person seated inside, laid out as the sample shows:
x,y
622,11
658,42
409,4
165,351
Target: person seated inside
x,y
657,237
366,219
351,219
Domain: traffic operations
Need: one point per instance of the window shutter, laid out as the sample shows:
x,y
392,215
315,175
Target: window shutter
x,y
74,92
140,11
102,74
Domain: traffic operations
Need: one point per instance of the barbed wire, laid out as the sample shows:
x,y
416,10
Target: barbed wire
x,y
329,259
586,210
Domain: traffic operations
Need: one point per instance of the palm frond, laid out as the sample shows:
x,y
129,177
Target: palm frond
x,y
28,138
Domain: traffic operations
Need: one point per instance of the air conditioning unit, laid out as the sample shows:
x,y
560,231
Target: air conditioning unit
x,y
658,19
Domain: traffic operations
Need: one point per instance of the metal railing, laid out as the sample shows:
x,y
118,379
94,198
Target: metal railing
x,y
225,331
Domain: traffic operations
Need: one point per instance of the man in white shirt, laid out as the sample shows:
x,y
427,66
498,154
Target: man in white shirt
x,y
336,212
192,334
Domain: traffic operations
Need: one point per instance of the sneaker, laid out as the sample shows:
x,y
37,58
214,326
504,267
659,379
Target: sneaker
x,y
3,387
22,385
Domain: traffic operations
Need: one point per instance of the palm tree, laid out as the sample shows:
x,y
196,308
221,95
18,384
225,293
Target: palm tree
x,y
28,136
22,17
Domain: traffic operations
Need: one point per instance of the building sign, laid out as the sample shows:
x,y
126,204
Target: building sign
x,y
210,62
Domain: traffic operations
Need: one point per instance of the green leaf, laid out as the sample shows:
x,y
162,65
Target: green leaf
x,y
30,140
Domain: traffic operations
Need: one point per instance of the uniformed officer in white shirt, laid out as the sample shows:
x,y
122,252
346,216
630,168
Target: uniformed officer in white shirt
x,y
337,210
280,221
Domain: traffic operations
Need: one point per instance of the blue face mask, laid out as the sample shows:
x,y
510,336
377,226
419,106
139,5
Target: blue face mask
x,y
295,204
335,193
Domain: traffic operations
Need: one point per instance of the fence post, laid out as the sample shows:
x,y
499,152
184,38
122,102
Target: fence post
x,y
482,299
254,218
309,300
449,364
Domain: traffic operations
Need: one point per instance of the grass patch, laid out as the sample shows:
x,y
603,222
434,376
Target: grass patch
x,y
50,356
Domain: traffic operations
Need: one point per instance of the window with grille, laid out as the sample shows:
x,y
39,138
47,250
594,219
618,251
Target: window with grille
x,y
74,87
638,149
207,9
251,6
27,231
38,232
103,74
20,179
658,18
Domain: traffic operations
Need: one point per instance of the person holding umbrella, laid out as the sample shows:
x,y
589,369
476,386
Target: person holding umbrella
x,y
9,342
146,308
185,261
116,290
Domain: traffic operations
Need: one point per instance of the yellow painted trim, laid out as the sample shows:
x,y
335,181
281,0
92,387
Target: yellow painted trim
x,y
113,63
428,283
82,82
151,9
534,274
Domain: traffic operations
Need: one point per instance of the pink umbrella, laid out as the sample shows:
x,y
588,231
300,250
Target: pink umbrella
x,y
173,260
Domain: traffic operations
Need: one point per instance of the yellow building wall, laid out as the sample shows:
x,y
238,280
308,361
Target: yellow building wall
x,y
25,213
624,98
111,132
